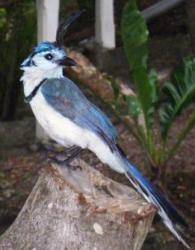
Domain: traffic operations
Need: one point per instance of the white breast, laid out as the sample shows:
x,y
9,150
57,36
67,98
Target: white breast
x,y
59,128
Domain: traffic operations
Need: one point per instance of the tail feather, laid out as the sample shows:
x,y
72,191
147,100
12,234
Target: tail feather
x,y
168,213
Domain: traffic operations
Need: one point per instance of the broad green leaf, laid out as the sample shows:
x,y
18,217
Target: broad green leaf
x,y
135,38
180,93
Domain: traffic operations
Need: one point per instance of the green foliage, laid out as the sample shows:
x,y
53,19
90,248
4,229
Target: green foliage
x,y
147,106
86,4
17,35
135,38
180,93
2,17
115,86
134,108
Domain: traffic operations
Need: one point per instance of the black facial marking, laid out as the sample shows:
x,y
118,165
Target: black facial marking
x,y
29,98
33,63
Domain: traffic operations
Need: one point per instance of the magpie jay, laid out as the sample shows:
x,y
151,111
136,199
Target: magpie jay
x,y
71,119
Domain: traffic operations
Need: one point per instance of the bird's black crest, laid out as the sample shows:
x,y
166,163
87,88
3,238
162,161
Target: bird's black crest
x,y
63,27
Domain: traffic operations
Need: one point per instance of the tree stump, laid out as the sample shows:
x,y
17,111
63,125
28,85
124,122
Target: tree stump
x,y
79,209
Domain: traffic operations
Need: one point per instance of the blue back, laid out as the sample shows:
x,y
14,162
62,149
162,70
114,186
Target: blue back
x,y
67,99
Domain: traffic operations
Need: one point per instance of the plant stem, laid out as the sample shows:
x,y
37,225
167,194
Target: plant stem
x,y
189,125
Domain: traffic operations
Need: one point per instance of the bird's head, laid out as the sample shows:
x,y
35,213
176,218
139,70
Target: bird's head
x,y
50,56
47,56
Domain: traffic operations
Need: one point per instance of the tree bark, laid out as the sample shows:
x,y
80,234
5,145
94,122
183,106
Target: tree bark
x,y
79,209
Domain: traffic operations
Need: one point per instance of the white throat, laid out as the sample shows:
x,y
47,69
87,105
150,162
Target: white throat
x,y
32,76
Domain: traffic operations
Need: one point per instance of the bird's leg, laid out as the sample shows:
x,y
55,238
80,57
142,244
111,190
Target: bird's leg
x,y
73,152
54,154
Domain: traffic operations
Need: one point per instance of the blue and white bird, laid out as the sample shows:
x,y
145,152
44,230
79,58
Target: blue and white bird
x,y
70,119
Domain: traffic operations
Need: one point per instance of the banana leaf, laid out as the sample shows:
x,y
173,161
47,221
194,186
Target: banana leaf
x,y
135,39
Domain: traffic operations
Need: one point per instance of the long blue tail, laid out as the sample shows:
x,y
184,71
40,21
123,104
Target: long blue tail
x,y
168,213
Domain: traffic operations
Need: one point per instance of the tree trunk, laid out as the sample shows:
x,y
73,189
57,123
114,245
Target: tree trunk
x,y
79,209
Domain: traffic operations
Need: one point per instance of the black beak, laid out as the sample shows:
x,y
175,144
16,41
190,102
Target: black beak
x,y
67,61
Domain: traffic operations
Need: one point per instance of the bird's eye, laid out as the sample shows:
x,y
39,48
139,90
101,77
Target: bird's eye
x,y
49,56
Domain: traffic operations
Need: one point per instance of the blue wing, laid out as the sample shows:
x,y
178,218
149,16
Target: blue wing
x,y
67,99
